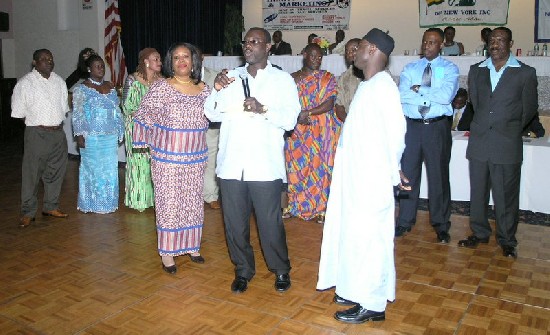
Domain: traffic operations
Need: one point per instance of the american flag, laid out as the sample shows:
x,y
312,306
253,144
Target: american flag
x,y
114,55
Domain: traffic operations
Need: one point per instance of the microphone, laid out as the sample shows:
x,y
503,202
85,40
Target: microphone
x,y
246,88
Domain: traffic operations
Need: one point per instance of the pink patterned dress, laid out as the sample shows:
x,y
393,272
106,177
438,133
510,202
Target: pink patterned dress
x,y
173,126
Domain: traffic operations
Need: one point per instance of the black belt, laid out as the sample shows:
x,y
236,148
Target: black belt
x,y
214,125
428,121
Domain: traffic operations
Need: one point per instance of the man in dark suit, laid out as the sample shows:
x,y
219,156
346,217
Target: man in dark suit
x,y
503,92
279,47
534,128
463,111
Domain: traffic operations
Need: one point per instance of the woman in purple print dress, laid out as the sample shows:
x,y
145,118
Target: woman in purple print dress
x,y
171,123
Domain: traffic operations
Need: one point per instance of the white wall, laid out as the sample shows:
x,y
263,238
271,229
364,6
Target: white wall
x,y
400,17
35,26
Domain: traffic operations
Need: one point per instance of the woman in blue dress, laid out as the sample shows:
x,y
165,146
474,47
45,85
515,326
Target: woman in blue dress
x,y
98,127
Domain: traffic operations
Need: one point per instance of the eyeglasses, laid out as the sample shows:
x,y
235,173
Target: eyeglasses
x,y
251,42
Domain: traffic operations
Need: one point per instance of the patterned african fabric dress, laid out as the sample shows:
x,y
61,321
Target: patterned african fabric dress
x,y
138,184
97,117
173,126
309,152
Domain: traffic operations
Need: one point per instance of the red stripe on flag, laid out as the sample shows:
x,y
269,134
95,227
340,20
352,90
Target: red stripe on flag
x,y
114,55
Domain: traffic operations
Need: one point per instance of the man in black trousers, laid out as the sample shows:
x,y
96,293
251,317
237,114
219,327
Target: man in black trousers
x,y
427,87
503,92
255,104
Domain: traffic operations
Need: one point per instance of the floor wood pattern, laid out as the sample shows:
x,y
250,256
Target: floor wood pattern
x,y
100,274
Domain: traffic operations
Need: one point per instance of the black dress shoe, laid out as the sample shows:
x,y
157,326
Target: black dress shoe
x,y
282,282
400,230
239,285
472,241
341,301
443,237
197,259
509,251
358,314
170,269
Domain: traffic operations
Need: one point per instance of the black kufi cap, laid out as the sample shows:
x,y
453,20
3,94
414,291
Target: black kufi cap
x,y
383,41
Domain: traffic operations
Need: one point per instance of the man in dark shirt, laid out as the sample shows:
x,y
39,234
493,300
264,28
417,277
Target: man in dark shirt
x,y
463,111
534,128
279,47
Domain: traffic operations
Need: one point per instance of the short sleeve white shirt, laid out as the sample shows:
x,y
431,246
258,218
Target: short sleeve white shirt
x,y
40,101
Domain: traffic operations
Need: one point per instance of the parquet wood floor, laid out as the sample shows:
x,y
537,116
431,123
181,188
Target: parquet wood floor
x,y
100,274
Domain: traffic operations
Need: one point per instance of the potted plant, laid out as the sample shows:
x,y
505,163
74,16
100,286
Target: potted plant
x,y
234,27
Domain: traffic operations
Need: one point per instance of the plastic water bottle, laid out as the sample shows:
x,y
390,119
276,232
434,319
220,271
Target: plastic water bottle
x,y
545,49
536,50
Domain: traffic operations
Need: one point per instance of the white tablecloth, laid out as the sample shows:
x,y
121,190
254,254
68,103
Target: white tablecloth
x,y
542,64
534,174
336,65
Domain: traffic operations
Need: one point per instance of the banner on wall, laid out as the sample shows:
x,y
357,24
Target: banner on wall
x,y
463,12
542,21
306,15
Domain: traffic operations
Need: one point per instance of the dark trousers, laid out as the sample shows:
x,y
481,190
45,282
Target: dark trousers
x,y
431,144
238,200
504,180
44,158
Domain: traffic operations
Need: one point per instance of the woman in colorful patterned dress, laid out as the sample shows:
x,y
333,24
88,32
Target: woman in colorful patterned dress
x,y
170,122
309,152
139,186
98,127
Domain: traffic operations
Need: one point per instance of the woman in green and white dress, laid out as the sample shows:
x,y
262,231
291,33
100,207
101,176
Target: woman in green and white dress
x,y
139,186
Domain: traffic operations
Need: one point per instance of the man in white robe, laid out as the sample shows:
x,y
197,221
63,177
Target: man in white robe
x,y
357,255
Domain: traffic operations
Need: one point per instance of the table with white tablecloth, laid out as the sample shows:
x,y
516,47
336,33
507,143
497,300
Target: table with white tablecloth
x,y
336,65
534,181
534,173
544,116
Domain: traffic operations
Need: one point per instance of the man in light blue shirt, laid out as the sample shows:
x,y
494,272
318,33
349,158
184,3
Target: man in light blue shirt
x,y
427,88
